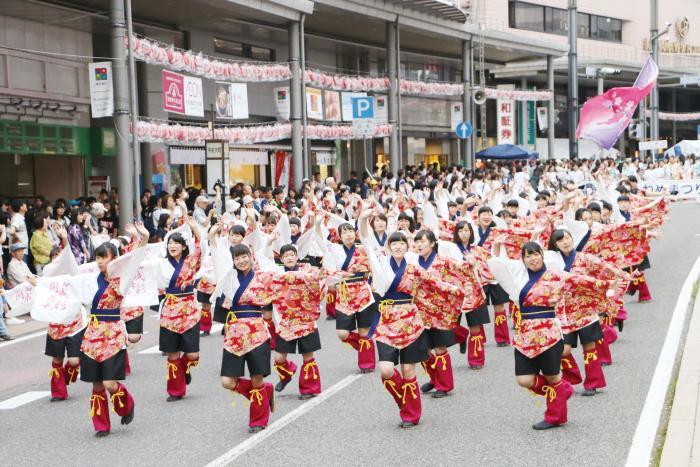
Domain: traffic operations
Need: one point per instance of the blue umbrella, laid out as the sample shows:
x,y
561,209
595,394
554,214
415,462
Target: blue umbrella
x,y
507,152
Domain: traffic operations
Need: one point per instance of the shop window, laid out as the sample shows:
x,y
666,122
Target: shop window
x,y
239,49
583,24
526,16
556,21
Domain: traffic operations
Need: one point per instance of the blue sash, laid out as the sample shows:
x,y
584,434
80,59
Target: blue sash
x,y
177,265
533,278
582,244
381,240
243,283
568,260
349,253
483,235
426,263
295,238
103,314
626,215
464,248
391,293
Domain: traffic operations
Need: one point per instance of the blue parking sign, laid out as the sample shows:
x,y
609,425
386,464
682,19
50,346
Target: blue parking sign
x,y
362,107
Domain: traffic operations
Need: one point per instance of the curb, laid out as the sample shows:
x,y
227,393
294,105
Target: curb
x,y
682,435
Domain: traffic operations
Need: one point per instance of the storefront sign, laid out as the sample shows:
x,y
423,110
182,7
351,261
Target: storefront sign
x,y
281,96
231,101
194,99
325,158
282,169
97,184
314,104
506,118
187,155
101,89
173,87
248,156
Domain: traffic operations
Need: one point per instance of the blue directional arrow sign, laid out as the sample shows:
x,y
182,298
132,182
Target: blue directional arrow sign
x,y
464,130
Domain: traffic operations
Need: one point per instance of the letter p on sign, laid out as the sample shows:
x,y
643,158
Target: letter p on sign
x,y
362,107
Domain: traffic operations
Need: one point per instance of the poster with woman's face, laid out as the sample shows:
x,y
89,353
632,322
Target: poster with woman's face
x,y
223,100
331,101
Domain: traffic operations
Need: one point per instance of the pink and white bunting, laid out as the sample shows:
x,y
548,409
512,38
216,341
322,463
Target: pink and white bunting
x,y
676,117
163,132
196,63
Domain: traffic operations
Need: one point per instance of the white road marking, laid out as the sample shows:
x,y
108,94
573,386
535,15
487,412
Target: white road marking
x,y
150,350
23,338
258,438
645,434
22,399
216,327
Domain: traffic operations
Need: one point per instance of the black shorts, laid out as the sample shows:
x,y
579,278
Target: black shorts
x,y
187,342
309,343
219,315
258,361
203,297
66,347
439,338
591,333
645,264
361,319
416,352
548,362
477,317
112,369
495,295
134,326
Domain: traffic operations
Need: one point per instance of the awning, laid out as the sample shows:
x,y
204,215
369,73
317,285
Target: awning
x,y
445,9
507,152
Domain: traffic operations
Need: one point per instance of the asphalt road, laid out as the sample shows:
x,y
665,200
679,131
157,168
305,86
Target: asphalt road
x,y
486,421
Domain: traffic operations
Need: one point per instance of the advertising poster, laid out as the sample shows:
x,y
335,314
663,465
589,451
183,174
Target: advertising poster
x,y
331,106
173,86
101,90
281,96
314,104
231,101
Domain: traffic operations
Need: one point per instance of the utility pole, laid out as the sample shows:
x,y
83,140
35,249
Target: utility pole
x,y
654,126
134,107
573,82
125,163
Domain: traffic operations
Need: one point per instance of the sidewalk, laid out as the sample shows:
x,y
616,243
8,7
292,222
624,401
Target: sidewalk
x,y
29,326
682,444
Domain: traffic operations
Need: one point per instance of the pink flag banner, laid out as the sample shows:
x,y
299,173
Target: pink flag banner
x,y
603,118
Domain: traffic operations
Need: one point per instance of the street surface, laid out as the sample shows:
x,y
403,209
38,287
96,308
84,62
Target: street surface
x,y
486,421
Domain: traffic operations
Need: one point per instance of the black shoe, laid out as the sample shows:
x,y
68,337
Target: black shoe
x,y
255,429
439,394
188,377
279,387
426,388
366,370
223,330
304,397
128,418
173,398
272,402
605,364
620,325
589,392
406,425
7,337
463,347
56,399
501,344
476,367
101,434
543,426
206,333
330,318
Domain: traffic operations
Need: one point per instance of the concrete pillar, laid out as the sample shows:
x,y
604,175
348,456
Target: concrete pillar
x,y
523,123
465,144
550,107
295,94
601,86
145,149
674,135
391,65
125,160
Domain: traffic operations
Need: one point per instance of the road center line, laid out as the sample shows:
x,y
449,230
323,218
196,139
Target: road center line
x,y
23,399
645,434
23,338
258,438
